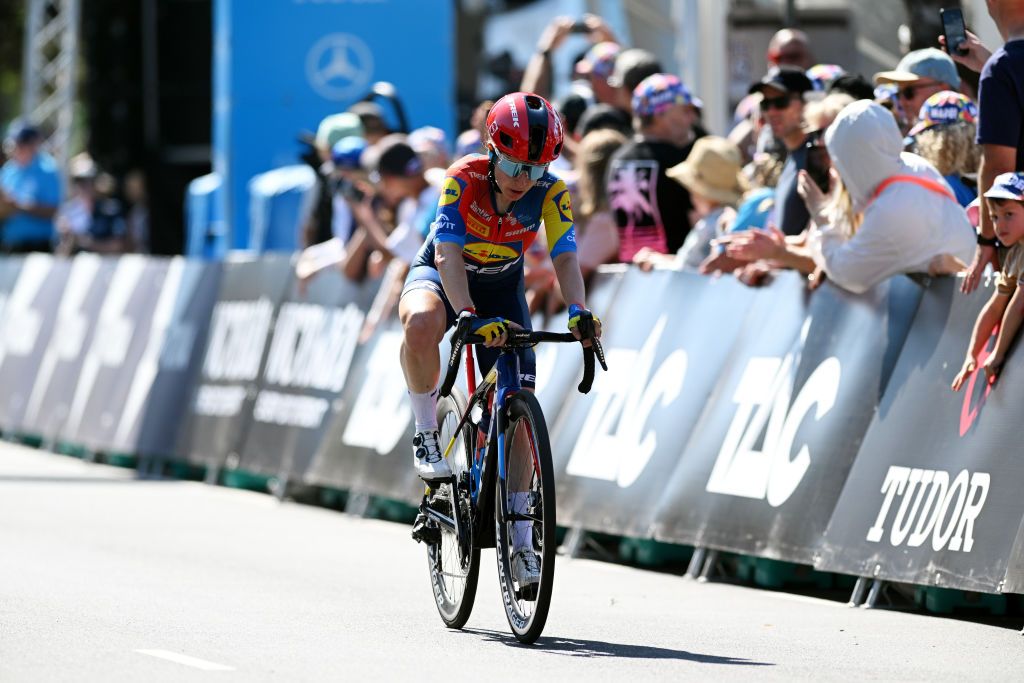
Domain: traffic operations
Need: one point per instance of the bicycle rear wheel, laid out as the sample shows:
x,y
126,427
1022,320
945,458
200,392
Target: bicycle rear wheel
x,y
454,562
526,434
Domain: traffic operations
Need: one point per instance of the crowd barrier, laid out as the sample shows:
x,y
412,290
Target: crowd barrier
x,y
816,428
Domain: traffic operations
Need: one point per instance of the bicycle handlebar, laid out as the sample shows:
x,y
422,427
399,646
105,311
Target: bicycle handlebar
x,y
517,339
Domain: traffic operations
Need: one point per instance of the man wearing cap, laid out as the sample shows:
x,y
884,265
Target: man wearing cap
x,y
631,67
595,65
29,193
919,75
782,91
371,115
651,210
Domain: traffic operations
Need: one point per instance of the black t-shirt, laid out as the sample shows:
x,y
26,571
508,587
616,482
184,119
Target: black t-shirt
x,y
651,209
791,214
1001,99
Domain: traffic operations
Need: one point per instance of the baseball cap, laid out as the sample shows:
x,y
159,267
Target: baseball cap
x,y
788,79
392,156
945,108
599,61
927,63
1007,186
632,66
22,133
347,152
658,92
823,75
367,109
337,126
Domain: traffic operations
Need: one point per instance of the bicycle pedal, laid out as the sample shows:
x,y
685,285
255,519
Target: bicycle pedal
x,y
424,532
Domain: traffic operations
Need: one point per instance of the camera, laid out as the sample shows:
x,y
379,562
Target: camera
x,y
579,26
349,190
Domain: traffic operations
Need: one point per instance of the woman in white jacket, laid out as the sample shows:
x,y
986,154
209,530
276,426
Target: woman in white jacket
x,y
891,213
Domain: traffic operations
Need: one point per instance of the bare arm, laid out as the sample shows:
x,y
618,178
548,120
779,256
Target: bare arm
x,y
570,280
1007,331
983,326
452,267
995,159
537,76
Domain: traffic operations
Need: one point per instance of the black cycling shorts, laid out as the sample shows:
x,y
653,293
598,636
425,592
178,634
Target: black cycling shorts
x,y
505,299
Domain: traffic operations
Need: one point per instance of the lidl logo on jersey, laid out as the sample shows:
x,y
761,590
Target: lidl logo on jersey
x,y
450,192
485,252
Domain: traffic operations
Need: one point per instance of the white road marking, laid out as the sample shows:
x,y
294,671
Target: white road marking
x,y
186,660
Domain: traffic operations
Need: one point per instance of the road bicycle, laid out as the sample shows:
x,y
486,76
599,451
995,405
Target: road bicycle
x,y
496,440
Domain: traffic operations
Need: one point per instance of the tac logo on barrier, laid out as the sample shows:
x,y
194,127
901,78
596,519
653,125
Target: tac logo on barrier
x,y
381,413
20,323
943,511
615,444
339,66
763,399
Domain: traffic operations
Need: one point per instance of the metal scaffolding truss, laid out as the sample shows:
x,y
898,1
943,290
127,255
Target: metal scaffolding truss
x,y
50,70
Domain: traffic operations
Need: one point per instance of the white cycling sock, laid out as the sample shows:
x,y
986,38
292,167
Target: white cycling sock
x,y
424,408
522,532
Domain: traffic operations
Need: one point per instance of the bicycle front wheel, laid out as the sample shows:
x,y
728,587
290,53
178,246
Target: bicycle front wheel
x,y
454,562
526,497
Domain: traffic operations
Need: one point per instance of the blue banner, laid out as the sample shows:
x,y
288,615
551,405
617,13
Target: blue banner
x,y
280,66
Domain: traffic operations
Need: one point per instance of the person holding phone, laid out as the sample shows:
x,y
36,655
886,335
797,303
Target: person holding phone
x,y
1001,115
537,77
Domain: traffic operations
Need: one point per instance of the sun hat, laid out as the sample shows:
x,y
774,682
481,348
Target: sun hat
x,y
712,170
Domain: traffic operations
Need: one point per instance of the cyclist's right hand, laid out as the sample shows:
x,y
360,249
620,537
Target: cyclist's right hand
x,y
493,330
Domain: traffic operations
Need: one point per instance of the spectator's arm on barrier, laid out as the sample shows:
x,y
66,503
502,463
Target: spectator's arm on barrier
x,y
995,160
856,263
770,245
1008,329
988,318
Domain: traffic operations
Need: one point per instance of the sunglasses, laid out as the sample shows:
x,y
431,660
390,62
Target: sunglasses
x,y
908,92
516,168
780,102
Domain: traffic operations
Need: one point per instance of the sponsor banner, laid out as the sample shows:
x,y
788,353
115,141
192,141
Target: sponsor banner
x,y
1014,582
934,494
30,311
560,366
140,393
56,375
109,360
221,406
309,360
768,459
668,334
368,445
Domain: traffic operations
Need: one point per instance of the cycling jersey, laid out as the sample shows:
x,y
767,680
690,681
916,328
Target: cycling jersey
x,y
493,244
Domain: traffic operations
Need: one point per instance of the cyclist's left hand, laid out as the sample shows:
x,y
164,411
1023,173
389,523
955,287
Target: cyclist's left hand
x,y
580,320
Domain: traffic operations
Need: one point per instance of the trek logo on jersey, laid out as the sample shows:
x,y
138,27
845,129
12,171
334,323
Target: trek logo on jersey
x,y
450,192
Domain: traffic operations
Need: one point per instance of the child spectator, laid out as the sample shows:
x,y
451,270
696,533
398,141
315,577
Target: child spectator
x,y
944,135
1006,307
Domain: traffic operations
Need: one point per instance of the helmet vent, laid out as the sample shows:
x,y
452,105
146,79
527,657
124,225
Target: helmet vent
x,y
506,139
536,146
533,102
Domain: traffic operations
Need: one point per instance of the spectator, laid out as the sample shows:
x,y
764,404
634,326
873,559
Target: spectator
x,y
93,219
651,210
631,67
318,225
431,145
1001,114
854,85
371,116
783,91
597,65
919,75
1006,306
537,77
790,47
137,218
944,136
712,175
29,192
346,158
823,76
892,212
595,222
602,116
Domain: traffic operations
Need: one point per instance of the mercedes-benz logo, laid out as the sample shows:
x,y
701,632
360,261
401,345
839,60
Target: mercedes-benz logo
x,y
339,66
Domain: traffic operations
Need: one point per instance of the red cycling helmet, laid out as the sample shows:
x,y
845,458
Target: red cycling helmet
x,y
525,127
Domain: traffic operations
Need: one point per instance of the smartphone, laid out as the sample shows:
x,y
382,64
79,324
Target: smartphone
x,y
818,161
580,27
954,30
350,191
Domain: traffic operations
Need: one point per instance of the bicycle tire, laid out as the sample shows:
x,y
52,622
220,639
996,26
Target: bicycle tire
x,y
454,598
527,624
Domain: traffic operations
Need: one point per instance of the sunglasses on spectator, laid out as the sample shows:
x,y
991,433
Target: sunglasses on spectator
x,y
516,168
780,102
908,92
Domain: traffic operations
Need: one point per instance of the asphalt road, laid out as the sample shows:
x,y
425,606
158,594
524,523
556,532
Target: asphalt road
x,y
107,578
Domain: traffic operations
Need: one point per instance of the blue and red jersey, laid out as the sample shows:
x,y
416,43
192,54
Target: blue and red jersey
x,y
493,244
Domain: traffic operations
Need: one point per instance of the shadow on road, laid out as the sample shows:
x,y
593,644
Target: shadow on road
x,y
575,647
